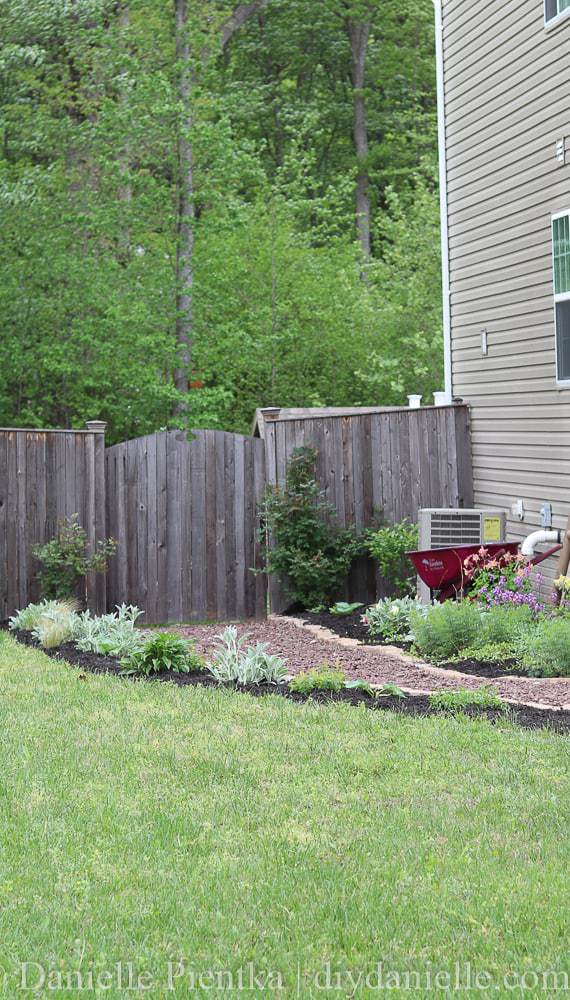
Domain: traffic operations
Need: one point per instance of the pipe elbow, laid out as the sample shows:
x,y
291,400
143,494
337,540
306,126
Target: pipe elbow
x,y
537,538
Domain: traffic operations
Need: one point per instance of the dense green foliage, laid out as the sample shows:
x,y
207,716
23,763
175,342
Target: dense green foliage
x,y
389,546
302,544
163,651
89,181
545,649
66,559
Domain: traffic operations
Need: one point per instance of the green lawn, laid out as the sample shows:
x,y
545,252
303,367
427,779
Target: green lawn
x,y
144,824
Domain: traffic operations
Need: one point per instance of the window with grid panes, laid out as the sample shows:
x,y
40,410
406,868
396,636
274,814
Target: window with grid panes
x,y
561,265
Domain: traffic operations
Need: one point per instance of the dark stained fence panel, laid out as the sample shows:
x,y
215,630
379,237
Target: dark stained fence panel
x,y
185,515
391,462
46,475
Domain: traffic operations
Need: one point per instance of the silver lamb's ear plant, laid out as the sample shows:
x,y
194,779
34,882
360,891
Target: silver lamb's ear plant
x,y
252,665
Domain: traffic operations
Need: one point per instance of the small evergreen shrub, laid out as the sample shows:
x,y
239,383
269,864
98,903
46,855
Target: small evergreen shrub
x,y
388,545
326,677
544,651
234,660
446,629
163,651
389,619
310,554
65,560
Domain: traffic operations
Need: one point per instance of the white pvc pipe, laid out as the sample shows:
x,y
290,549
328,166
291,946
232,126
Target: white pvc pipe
x,y
537,538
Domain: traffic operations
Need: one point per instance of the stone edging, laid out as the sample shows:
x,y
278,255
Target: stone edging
x,y
395,652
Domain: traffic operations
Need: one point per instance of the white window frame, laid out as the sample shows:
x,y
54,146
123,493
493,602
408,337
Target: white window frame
x,y
564,383
550,22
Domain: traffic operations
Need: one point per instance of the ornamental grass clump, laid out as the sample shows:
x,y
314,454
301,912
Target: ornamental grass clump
x,y
57,624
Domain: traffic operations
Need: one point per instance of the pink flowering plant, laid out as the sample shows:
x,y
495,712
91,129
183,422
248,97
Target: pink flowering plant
x,y
505,579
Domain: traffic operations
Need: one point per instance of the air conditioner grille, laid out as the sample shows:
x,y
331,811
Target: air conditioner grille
x,y
455,529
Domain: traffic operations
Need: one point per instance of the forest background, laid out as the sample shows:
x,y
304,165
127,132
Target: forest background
x,y
209,207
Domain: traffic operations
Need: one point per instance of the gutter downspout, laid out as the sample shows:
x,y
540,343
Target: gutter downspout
x,y
443,206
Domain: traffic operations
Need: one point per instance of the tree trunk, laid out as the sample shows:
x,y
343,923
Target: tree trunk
x,y
359,32
186,211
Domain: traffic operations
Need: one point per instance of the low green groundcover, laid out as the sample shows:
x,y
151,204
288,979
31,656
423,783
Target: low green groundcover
x,y
153,825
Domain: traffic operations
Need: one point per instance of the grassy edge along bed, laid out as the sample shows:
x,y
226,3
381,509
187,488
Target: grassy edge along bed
x,y
151,824
527,716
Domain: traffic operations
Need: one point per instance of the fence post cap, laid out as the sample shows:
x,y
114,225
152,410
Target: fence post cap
x,y
270,412
97,426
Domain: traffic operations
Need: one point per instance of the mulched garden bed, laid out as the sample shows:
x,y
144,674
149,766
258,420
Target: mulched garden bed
x,y
345,626
418,705
508,668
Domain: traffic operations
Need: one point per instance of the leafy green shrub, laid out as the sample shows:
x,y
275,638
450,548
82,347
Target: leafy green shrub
x,y
234,661
65,560
388,546
343,608
114,634
56,625
28,618
544,651
322,678
389,619
484,697
163,651
309,554
446,629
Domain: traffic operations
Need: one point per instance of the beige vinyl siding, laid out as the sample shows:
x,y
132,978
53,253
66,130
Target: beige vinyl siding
x,y
507,100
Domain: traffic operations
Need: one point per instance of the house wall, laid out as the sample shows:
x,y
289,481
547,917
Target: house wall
x,y
507,102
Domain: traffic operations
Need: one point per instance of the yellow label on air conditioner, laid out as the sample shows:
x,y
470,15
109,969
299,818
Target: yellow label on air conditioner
x,y
491,529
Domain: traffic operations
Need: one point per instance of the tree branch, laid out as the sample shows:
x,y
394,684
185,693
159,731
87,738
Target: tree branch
x,y
240,15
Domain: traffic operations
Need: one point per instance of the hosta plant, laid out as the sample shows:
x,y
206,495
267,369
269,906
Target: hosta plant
x,y
234,660
344,608
164,651
114,634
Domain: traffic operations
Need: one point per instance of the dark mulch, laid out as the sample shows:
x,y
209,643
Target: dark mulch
x,y
508,668
418,705
346,626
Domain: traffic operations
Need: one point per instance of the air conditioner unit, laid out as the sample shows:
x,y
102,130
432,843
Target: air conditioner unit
x,y
443,528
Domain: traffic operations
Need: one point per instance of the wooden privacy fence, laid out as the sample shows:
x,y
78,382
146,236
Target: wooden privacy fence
x,y
45,476
394,462
184,511
184,514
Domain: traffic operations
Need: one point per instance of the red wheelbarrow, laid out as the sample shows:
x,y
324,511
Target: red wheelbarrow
x,y
442,569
